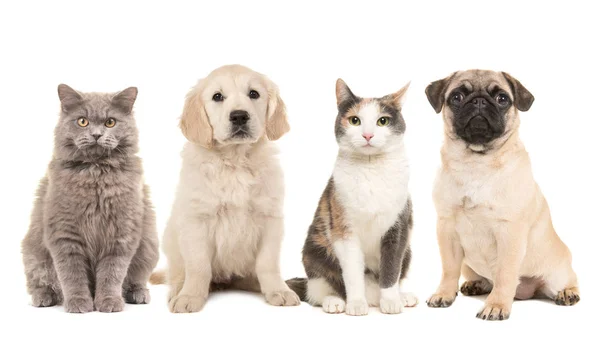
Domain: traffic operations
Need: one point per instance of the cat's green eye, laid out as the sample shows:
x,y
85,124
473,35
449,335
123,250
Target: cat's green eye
x,y
111,122
354,121
83,122
383,121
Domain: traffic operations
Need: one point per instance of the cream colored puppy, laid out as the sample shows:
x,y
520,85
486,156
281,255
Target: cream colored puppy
x,y
493,221
226,226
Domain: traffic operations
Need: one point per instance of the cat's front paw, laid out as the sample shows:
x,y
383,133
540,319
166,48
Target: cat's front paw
x,y
357,307
44,298
79,304
333,305
391,305
137,296
109,304
282,298
410,299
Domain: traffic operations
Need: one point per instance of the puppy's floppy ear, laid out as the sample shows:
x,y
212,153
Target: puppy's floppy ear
x,y
435,93
124,100
523,98
277,123
69,98
195,124
345,97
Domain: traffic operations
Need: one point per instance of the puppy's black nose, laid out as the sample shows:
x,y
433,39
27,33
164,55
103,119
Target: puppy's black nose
x,y
239,117
479,102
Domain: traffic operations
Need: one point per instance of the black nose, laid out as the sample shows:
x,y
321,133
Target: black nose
x,y
479,102
96,136
239,117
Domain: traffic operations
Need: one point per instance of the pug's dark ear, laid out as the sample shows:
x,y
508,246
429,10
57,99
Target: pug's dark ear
x,y
435,93
69,98
523,98
345,97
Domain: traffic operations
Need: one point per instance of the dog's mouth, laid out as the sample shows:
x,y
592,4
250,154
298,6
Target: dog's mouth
x,y
240,133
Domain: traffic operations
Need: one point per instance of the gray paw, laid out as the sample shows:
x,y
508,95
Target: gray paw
x,y
79,304
137,296
109,304
45,298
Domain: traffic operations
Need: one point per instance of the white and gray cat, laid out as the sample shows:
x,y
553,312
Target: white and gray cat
x,y
357,251
92,241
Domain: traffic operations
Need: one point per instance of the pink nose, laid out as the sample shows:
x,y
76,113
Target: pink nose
x,y
367,136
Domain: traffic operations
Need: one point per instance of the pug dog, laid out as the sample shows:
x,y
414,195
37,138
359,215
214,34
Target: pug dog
x,y
493,222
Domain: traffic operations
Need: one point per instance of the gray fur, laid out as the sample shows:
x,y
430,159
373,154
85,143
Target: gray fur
x,y
92,239
395,249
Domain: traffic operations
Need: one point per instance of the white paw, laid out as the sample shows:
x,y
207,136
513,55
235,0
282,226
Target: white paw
x,y
333,305
357,307
391,305
410,299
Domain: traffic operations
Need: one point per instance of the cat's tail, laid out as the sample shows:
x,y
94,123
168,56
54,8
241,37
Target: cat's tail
x,y
298,285
158,277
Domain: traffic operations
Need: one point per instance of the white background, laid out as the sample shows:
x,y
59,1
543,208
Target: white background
x,y
376,47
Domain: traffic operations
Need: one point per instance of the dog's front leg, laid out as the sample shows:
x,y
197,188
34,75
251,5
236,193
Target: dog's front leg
x,y
511,243
452,256
272,285
197,252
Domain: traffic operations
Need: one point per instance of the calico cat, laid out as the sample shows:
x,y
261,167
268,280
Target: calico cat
x,y
357,249
92,239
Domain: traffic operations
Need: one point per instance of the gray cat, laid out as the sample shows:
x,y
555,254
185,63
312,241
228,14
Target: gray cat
x,y
92,239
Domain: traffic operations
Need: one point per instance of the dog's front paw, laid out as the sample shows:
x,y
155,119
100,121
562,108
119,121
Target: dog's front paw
x,y
357,307
474,288
282,298
137,296
391,305
410,299
494,312
79,304
333,305
569,296
109,303
186,303
441,300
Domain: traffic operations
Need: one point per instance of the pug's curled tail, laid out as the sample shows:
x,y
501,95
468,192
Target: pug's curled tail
x,y
158,277
298,285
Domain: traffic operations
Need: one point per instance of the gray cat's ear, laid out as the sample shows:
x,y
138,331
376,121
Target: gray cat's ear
x,y
125,99
345,97
69,98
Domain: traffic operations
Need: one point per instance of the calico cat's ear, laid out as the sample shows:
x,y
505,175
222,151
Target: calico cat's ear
x,y
125,99
345,96
398,98
69,98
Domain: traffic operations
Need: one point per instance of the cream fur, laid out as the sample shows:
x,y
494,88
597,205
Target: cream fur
x,y
227,216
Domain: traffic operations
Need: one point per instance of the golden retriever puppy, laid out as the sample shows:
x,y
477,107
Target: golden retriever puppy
x,y
226,225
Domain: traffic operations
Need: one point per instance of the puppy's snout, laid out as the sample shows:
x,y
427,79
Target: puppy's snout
x,y
479,102
478,124
239,117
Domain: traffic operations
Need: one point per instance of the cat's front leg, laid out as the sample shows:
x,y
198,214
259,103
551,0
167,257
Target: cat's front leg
x,y
67,250
393,247
352,261
111,271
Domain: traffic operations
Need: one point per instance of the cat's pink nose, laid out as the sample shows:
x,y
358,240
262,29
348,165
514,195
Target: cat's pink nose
x,y
368,136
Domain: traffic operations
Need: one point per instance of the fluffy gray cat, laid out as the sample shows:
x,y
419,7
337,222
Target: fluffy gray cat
x,y
92,241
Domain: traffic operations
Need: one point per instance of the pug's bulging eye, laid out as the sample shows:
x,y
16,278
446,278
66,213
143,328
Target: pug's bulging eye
x,y
111,122
83,122
502,99
218,97
457,97
253,94
383,121
354,121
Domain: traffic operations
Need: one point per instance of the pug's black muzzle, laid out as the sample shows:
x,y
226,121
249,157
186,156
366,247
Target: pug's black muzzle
x,y
479,121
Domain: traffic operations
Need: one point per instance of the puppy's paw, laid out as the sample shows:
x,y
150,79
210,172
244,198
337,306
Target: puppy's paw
x,y
282,298
333,305
79,304
494,312
109,303
391,305
186,304
410,299
477,287
441,300
569,296
357,307
44,298
137,296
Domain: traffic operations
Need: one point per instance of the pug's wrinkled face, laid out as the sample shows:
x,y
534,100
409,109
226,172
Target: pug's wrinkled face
x,y
480,107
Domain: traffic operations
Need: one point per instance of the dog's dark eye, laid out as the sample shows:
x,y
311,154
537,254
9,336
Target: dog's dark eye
x,y
253,94
218,97
502,99
457,97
